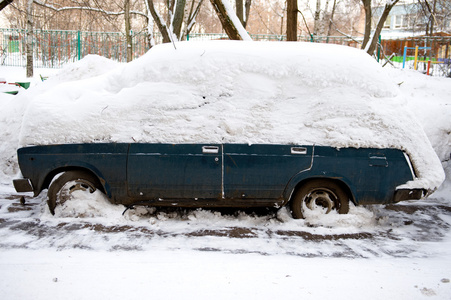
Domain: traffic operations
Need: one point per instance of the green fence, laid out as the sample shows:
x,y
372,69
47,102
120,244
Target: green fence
x,y
340,40
54,49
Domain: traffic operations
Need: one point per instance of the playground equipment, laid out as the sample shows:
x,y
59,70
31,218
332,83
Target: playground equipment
x,y
12,88
416,61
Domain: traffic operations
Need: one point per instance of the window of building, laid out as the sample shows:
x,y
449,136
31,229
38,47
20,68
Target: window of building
x,y
387,24
402,21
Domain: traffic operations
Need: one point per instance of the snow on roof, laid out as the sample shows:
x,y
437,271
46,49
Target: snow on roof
x,y
235,92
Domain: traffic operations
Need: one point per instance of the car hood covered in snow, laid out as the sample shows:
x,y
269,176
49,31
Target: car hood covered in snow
x,y
237,92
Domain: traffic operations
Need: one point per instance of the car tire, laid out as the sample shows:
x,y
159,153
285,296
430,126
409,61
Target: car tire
x,y
61,188
322,194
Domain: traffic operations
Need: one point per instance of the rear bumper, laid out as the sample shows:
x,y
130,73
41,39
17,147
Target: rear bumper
x,y
23,185
409,194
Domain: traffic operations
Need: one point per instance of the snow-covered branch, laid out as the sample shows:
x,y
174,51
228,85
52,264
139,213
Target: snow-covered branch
x,y
230,21
88,8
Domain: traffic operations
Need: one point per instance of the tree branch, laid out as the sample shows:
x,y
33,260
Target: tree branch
x,y
109,13
5,3
305,23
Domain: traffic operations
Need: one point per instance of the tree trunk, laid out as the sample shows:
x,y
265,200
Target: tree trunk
x,y
193,13
432,18
292,20
178,18
231,27
331,18
247,10
160,22
29,38
368,16
316,18
243,12
373,43
128,36
150,37
240,11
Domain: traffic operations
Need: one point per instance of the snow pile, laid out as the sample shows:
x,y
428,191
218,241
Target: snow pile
x,y
87,206
430,99
99,208
90,66
12,108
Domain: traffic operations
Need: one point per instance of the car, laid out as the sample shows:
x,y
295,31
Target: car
x,y
219,175
229,124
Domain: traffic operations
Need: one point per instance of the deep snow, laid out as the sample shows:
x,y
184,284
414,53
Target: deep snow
x,y
374,252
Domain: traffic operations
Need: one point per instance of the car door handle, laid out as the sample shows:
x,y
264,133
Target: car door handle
x,y
210,149
378,160
298,150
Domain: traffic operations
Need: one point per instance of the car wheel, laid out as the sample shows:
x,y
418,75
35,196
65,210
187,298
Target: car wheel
x,y
320,195
62,188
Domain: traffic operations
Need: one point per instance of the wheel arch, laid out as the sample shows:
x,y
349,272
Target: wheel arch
x,y
340,181
100,184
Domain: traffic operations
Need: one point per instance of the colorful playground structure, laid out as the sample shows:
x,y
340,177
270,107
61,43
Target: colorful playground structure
x,y
12,88
416,60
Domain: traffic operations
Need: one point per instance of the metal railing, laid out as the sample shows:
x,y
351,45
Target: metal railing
x,y
55,48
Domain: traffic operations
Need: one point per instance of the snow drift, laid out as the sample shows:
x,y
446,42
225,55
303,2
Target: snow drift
x,y
237,92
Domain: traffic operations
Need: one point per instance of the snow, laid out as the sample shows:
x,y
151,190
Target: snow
x,y
372,252
90,250
220,276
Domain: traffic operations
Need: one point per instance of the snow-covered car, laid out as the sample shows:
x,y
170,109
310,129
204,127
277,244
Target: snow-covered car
x,y
230,124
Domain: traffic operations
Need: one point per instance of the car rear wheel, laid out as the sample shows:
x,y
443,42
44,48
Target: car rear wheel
x,y
62,188
319,195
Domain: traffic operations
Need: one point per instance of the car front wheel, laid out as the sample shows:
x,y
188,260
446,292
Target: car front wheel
x,y
62,188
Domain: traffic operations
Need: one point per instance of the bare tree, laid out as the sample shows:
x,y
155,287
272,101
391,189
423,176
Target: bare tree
x,y
267,17
372,39
331,18
128,36
179,10
192,15
159,21
316,18
434,16
368,20
243,10
29,38
90,14
230,22
177,25
292,20
431,16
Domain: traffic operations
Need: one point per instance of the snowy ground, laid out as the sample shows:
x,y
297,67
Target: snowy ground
x,y
377,252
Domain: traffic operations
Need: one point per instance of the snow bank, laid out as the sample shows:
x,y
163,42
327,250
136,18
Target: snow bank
x,y
237,92
430,99
12,108
90,66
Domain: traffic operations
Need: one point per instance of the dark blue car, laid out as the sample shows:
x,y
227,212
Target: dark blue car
x,y
219,175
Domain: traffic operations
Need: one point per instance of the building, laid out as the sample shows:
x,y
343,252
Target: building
x,y
409,19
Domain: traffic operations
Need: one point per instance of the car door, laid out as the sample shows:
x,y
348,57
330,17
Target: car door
x,y
177,171
262,171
